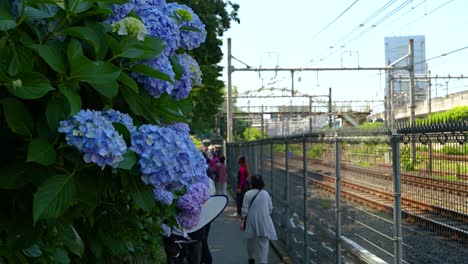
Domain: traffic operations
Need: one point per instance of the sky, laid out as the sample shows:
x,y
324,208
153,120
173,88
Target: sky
x,y
342,33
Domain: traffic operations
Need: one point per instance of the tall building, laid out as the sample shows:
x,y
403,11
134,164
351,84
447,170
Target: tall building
x,y
396,48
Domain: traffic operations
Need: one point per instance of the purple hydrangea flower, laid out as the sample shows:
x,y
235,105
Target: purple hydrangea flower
x,y
94,135
154,86
189,39
190,204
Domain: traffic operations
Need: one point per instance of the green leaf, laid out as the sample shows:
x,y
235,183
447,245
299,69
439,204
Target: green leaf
x,y
21,60
74,52
176,67
53,197
113,44
130,159
56,111
109,89
142,194
40,11
96,72
73,98
7,21
150,47
17,116
88,34
128,81
61,256
32,85
146,70
51,56
123,131
42,152
33,251
71,239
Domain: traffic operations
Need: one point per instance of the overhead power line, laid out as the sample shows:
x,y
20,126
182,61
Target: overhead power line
x,y
329,24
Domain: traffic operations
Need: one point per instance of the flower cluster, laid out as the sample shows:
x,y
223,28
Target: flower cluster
x,y
179,27
189,39
168,158
154,86
190,203
130,26
169,161
94,135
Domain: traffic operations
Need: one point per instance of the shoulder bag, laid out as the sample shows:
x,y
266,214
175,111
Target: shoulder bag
x,y
244,220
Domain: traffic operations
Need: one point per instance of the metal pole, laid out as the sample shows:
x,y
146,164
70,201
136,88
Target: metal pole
x,y
272,167
263,128
338,200
261,158
310,114
306,205
330,108
229,95
412,99
429,96
397,234
292,82
286,193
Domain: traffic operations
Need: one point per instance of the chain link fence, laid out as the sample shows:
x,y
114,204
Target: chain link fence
x,y
366,196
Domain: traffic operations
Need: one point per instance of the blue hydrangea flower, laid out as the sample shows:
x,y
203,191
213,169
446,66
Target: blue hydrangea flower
x,y
183,85
189,39
154,86
119,12
95,136
167,157
192,65
122,118
161,26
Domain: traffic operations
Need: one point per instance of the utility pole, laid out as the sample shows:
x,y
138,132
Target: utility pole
x,y
412,99
229,95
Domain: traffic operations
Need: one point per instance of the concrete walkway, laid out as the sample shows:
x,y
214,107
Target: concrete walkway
x,y
227,243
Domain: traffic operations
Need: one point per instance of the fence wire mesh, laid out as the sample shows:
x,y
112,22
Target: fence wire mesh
x,y
402,197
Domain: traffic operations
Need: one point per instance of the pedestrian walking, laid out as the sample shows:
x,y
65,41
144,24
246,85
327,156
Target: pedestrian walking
x,y
243,182
256,221
221,176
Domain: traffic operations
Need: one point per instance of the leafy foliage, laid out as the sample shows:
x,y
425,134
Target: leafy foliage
x,y
58,58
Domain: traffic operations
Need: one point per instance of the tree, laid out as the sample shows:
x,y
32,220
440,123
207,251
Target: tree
x,y
210,95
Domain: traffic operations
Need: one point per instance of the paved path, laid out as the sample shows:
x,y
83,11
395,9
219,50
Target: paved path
x,y
226,241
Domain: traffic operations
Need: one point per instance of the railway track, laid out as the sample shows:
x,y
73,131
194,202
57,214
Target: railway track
x,y
442,220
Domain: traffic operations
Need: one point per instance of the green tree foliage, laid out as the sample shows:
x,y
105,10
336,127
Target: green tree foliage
x,y
210,95
371,125
458,113
56,58
252,133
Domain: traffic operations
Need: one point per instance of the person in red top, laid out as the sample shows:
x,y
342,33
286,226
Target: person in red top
x,y
242,183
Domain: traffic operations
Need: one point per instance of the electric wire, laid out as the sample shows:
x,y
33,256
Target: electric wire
x,y
333,21
425,14
376,13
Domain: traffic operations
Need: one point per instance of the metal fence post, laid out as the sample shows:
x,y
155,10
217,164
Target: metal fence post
x,y
338,199
272,167
397,234
261,159
286,192
306,205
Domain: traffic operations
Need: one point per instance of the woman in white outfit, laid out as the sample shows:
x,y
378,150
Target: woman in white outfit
x,y
259,228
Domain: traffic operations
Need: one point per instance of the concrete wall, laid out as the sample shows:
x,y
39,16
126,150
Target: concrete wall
x,y
439,104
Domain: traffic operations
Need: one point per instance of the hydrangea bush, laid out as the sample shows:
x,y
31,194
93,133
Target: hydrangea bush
x,y
97,154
